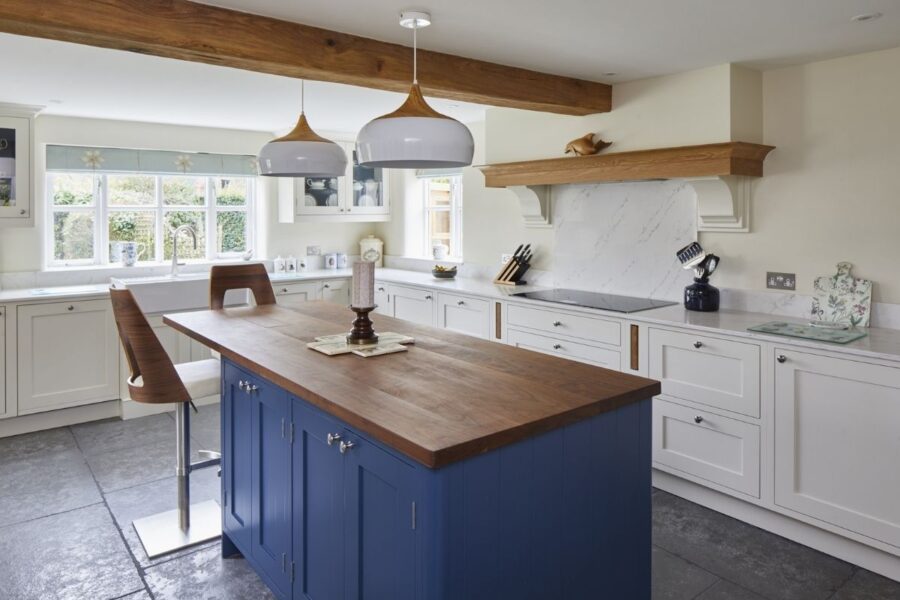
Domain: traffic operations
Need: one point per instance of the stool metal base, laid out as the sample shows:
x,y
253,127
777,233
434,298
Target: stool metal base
x,y
161,533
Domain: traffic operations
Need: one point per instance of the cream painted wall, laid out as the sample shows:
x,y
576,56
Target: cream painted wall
x,y
831,191
22,249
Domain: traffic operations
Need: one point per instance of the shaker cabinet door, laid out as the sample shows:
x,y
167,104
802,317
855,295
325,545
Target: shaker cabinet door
x,y
271,480
318,480
236,458
413,304
836,442
380,522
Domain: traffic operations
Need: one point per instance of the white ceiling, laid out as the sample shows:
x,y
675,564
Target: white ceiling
x,y
75,80
580,38
635,38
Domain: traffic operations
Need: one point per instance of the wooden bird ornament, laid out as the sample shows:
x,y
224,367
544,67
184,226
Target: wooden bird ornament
x,y
585,146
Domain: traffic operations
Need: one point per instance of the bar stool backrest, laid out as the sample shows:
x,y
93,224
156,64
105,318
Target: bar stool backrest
x,y
147,359
253,277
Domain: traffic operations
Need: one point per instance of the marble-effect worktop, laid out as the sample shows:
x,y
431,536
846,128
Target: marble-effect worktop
x,y
880,343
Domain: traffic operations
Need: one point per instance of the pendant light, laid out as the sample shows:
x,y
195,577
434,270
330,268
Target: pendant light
x,y
415,136
302,153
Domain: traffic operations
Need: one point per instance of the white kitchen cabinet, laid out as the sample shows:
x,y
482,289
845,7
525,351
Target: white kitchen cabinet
x,y
707,370
706,446
464,314
16,143
361,195
382,299
562,323
68,355
5,408
292,294
412,304
558,346
837,440
336,291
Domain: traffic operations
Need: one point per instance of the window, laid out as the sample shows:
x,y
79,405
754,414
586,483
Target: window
x,y
91,212
443,213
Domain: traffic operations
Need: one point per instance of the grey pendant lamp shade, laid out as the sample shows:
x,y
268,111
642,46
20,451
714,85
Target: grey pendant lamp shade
x,y
415,136
302,153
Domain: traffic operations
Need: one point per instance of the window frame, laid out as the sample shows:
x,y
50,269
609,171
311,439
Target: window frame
x,y
102,209
455,209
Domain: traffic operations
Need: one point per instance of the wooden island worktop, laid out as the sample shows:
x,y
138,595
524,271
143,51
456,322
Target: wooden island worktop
x,y
460,469
449,397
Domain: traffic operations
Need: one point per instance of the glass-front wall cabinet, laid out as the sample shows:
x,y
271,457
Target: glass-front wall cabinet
x,y
360,195
15,154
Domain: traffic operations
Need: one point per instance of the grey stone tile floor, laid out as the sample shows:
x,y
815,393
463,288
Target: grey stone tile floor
x,y
68,497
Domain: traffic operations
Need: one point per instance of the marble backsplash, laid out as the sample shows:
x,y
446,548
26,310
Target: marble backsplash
x,y
622,238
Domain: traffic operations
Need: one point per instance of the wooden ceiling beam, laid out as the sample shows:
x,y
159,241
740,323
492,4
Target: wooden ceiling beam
x,y
196,32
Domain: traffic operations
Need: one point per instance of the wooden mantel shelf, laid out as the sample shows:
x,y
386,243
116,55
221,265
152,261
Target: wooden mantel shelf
x,y
707,160
719,173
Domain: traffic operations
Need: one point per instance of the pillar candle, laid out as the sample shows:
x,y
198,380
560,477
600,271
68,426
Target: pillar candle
x,y
363,285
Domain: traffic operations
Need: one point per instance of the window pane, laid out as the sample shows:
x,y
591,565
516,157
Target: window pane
x,y
72,189
131,190
73,236
186,249
231,191
132,226
184,191
6,191
439,229
231,232
438,191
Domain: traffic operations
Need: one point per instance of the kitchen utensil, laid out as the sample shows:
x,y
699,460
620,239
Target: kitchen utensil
x,y
511,265
700,295
842,298
691,255
516,267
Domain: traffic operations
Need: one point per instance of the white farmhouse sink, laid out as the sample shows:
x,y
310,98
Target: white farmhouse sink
x,y
167,293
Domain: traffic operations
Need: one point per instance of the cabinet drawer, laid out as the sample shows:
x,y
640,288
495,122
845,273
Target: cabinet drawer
x,y
289,294
602,357
710,447
413,304
382,298
465,315
336,291
561,323
719,373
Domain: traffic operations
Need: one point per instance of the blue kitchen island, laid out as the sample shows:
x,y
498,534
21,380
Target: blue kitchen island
x,y
462,469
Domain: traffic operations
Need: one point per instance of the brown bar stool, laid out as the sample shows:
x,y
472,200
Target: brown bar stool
x,y
156,380
253,277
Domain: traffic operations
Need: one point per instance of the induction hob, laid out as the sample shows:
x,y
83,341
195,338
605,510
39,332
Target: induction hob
x,y
612,302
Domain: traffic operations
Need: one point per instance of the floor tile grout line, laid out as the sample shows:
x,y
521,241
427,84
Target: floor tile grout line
x,y
709,587
56,514
714,574
852,574
137,565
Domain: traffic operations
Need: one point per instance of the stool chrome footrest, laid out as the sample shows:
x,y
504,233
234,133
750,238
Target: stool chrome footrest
x,y
161,533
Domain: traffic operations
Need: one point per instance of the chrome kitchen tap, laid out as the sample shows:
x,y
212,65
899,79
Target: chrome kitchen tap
x,y
175,264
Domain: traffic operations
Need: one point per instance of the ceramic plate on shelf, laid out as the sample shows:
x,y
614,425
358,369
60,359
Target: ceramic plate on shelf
x,y
310,200
842,298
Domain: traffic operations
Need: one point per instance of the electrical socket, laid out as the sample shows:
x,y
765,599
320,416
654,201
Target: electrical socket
x,y
504,258
313,250
781,281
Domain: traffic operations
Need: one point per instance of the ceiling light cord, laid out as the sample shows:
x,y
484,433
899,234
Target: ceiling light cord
x,y
302,95
415,54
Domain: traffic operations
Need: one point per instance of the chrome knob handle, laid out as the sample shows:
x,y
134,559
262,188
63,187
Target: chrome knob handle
x,y
698,344
557,323
781,358
557,346
428,297
70,307
241,384
23,211
284,290
251,388
698,419
460,303
345,446
331,438
381,289
326,286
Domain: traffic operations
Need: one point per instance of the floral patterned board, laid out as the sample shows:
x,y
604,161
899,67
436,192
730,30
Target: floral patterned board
x,y
841,298
809,332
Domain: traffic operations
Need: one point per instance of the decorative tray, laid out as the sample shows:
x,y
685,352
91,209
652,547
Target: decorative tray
x,y
810,332
387,343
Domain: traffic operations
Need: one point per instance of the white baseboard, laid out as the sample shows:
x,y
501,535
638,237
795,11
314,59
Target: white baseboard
x,y
832,544
59,418
133,410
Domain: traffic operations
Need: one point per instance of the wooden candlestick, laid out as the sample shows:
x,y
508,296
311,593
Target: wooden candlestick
x,y
362,332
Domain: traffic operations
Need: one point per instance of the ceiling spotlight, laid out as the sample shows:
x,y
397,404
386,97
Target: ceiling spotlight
x,y
610,74
867,17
